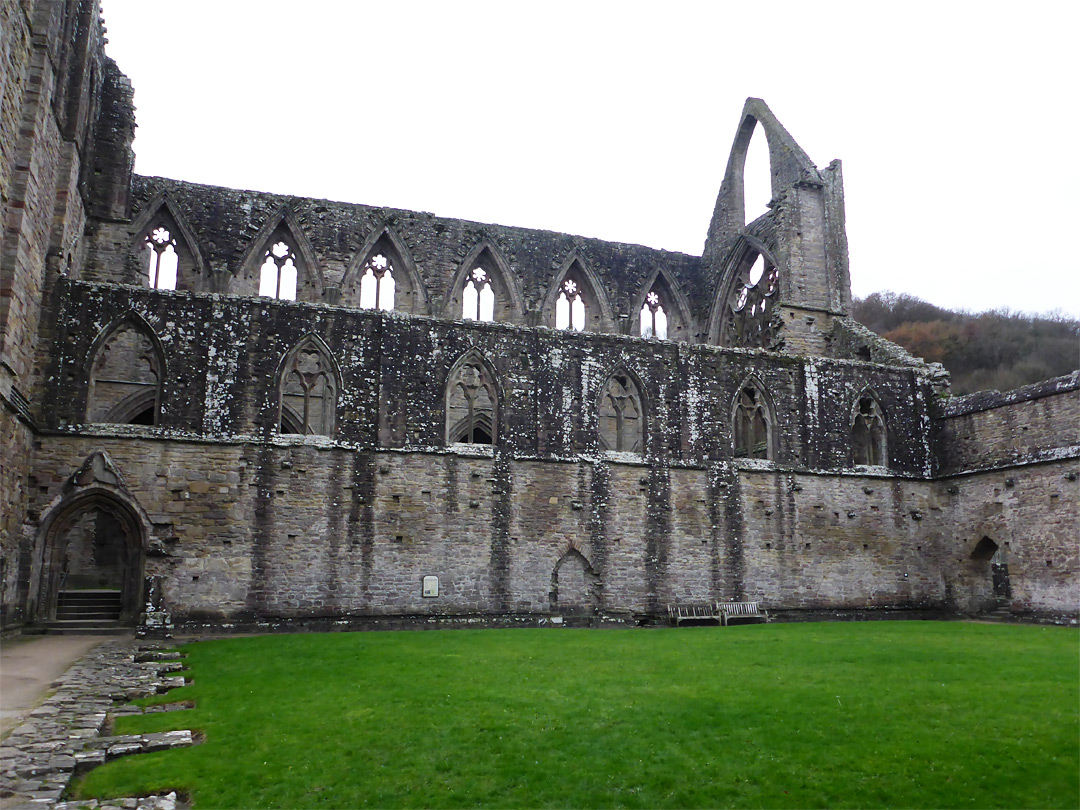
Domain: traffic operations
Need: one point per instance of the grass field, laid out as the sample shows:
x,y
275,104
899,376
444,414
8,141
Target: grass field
x,y
869,714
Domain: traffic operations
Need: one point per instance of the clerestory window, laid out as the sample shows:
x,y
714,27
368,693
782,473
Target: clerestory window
x,y
377,283
570,307
278,274
654,319
161,258
478,297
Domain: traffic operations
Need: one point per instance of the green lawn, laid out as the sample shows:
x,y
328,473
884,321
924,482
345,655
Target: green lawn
x,y
869,714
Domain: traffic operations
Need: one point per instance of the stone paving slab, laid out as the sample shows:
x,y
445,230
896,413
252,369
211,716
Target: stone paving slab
x,y
63,735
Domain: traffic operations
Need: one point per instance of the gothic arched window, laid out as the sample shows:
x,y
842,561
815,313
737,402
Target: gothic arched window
x,y
162,260
570,307
125,378
751,427
278,273
654,319
478,297
377,283
621,422
471,403
308,391
868,437
749,319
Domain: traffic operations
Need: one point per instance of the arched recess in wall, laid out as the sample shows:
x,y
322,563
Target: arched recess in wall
x,y
576,301
869,431
753,421
472,401
125,371
92,538
620,411
575,585
484,288
742,311
661,311
309,384
280,262
383,275
165,249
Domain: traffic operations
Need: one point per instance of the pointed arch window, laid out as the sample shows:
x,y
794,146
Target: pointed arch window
x,y
750,303
621,423
751,426
377,284
162,260
868,435
125,379
471,404
654,318
308,392
570,311
478,297
278,273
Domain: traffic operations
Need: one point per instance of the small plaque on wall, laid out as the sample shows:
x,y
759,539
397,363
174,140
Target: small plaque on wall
x,y
431,586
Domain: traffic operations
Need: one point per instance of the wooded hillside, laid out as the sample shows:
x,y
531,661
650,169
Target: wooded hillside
x,y
996,349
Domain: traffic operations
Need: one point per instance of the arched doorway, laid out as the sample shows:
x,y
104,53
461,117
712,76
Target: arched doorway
x,y
987,551
92,561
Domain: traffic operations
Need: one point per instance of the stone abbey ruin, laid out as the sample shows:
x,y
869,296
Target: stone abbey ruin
x,y
233,408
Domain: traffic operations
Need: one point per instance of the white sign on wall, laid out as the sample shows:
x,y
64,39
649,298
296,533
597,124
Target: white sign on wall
x,y
431,586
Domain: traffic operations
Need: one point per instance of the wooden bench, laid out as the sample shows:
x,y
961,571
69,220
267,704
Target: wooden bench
x,y
678,614
723,613
742,611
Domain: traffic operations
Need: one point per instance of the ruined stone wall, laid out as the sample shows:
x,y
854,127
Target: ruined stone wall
x,y
244,531
991,429
1009,467
840,542
222,358
1032,514
52,68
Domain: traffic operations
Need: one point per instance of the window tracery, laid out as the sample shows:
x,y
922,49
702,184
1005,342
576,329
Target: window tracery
x,y
162,259
278,273
377,283
570,307
750,303
621,426
868,436
751,424
654,319
478,297
471,409
308,400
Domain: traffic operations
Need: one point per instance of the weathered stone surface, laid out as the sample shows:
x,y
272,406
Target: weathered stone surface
x,y
206,456
41,757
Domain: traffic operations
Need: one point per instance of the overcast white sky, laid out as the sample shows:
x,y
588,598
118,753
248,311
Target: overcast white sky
x,y
956,121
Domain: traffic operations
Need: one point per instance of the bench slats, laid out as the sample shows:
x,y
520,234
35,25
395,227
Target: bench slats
x,y
720,612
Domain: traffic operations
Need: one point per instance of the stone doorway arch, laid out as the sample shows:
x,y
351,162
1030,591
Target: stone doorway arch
x,y
92,539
